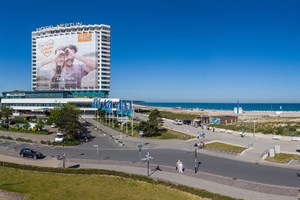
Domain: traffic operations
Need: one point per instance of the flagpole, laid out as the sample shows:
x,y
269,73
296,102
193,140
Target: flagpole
x,y
132,118
112,114
126,120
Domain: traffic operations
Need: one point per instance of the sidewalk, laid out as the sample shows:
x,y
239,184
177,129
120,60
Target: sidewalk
x,y
216,184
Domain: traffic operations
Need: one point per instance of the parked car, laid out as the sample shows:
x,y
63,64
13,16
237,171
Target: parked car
x,y
31,153
59,137
178,122
53,125
187,122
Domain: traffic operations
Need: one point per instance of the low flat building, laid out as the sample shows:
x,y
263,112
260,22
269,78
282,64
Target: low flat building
x,y
223,120
40,101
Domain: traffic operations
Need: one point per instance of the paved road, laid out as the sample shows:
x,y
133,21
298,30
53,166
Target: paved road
x,y
168,157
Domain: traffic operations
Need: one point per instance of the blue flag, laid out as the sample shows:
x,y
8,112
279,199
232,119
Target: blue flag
x,y
123,107
109,106
104,108
129,109
118,107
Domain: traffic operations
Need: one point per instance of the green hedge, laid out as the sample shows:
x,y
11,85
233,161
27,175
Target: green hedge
x,y
23,131
195,191
6,137
64,143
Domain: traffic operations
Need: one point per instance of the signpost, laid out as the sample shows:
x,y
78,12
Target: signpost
x,y
148,158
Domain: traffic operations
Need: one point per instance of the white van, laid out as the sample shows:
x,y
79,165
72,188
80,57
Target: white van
x,y
59,137
178,122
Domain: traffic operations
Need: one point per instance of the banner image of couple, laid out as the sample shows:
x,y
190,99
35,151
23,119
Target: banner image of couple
x,y
66,62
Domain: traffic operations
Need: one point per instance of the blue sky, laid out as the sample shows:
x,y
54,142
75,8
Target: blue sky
x,y
174,51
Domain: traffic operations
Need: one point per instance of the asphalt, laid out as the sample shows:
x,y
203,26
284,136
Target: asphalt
x,y
243,176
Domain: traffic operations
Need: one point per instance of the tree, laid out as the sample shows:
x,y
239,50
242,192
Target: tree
x,y
40,125
67,121
153,127
101,114
6,112
54,113
155,118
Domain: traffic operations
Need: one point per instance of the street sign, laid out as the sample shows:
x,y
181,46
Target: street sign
x,y
95,145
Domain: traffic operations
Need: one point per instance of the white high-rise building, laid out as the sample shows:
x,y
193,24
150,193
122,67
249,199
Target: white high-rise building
x,y
72,57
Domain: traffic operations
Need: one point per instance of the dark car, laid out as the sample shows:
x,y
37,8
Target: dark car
x,y
31,153
187,121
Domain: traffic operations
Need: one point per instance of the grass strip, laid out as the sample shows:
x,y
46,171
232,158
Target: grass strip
x,y
225,147
283,158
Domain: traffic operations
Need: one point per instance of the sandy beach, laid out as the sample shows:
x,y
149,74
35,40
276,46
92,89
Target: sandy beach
x,y
259,116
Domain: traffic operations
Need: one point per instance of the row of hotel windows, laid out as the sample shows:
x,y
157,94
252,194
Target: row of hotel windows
x,y
47,34
68,29
46,104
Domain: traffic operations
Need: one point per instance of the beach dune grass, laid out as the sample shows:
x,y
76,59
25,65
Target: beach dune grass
x,y
225,147
41,185
283,158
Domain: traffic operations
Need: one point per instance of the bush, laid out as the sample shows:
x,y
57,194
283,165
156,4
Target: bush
x,y
6,137
20,120
24,140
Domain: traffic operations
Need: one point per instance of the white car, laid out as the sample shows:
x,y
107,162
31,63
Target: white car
x,y
59,137
178,122
53,125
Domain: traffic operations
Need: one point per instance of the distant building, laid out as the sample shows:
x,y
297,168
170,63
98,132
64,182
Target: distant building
x,y
223,120
238,110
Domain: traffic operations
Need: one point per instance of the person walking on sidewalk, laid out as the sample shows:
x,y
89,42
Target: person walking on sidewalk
x,y
177,164
180,167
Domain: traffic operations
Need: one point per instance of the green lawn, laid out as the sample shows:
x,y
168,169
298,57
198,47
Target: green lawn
x,y
170,134
53,186
283,158
173,115
225,147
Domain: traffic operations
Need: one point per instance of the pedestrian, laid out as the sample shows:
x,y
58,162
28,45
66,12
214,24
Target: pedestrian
x,y
177,164
180,167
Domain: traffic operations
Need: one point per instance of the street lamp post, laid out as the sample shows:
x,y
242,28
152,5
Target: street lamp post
x,y
196,162
140,150
254,129
97,146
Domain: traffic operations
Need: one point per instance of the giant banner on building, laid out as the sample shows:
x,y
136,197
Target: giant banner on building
x,y
66,62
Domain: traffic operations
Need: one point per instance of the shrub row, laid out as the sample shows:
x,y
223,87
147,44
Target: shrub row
x,y
195,191
6,137
64,143
23,131
24,140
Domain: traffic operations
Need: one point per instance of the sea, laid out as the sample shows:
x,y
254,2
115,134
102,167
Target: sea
x,y
292,107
